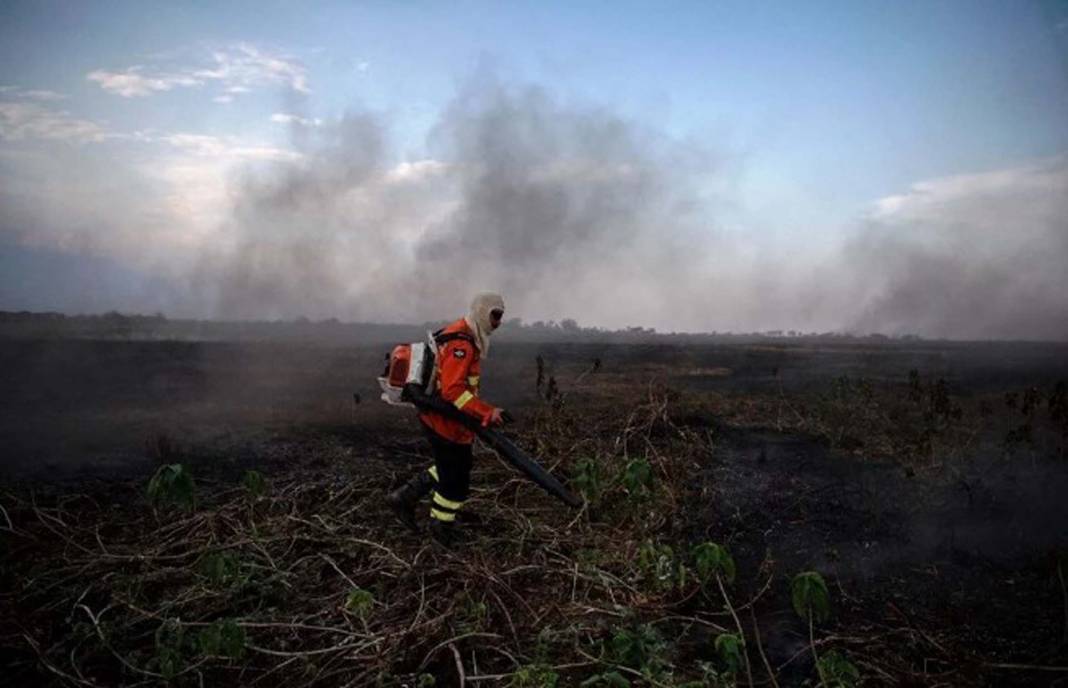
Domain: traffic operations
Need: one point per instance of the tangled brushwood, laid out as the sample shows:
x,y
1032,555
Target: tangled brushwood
x,y
302,578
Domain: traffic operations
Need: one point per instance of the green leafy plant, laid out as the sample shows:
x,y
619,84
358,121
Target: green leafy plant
x,y
810,597
223,569
836,671
254,483
638,478
170,662
473,612
168,641
657,566
590,479
360,602
607,679
543,644
222,638
640,648
172,483
386,679
711,678
590,559
729,648
711,560
811,602
534,676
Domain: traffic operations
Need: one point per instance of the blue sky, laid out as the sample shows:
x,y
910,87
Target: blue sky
x,y
811,112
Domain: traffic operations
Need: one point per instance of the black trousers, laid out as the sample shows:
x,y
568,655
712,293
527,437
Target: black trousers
x,y
452,476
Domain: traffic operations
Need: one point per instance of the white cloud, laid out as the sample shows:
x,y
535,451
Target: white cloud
x,y
363,66
415,171
245,65
44,95
284,118
156,202
132,83
21,121
236,69
226,148
942,199
31,94
223,99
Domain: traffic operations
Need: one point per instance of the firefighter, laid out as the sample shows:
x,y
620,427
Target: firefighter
x,y
461,347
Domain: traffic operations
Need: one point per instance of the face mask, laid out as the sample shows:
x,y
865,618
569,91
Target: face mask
x,y
480,318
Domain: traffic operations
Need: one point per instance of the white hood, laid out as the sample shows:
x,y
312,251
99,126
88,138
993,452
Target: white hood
x,y
478,318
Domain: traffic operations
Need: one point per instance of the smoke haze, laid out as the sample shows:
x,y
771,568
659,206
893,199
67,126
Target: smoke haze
x,y
976,257
570,211
566,210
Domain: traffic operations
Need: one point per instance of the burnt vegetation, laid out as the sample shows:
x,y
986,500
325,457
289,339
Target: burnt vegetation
x,y
753,515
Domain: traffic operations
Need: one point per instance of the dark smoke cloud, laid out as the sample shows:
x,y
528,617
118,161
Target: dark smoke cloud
x,y
299,237
976,257
567,210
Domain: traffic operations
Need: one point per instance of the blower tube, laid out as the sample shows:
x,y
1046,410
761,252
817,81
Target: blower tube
x,y
494,440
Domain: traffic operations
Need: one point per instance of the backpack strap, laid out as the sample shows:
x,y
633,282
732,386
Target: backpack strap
x,y
441,339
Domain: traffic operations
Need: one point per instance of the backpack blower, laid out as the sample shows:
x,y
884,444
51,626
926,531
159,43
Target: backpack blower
x,y
407,380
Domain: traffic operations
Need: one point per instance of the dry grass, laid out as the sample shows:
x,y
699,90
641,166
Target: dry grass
x,y
312,583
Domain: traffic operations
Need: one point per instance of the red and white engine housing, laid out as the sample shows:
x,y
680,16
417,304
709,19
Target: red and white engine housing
x,y
408,363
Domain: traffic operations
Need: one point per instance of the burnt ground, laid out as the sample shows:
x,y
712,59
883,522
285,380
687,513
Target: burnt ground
x,y
935,511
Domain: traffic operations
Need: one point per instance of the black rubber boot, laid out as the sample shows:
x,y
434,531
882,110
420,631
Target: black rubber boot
x,y
444,533
403,500
468,518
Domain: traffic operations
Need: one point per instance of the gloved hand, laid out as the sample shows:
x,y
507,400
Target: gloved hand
x,y
498,417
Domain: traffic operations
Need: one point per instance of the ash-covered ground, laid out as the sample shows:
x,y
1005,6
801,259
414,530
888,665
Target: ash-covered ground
x,y
924,482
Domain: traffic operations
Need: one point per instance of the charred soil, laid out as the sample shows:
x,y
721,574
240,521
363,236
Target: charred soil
x,y
202,514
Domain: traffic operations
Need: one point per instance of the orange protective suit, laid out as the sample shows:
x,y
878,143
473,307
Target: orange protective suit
x,y
456,379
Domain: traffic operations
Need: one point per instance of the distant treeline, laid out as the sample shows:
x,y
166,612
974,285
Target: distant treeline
x,y
113,325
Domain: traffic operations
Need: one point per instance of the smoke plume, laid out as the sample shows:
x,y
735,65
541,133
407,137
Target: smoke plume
x,y
976,257
565,210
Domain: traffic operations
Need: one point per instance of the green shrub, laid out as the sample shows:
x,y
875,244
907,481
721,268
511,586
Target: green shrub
x,y
222,638
837,671
640,648
607,679
657,566
710,678
168,640
810,597
172,483
254,483
360,602
638,478
223,570
590,479
534,676
473,613
729,650
711,560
